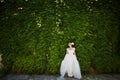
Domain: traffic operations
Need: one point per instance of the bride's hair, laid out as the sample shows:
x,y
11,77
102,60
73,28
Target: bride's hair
x,y
72,44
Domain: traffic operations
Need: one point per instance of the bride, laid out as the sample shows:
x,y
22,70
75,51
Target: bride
x,y
70,63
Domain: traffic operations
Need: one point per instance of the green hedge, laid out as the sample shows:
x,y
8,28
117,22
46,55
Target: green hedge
x,y
29,64
34,39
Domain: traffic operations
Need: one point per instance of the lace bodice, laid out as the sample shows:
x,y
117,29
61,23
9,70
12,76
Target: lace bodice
x,y
70,50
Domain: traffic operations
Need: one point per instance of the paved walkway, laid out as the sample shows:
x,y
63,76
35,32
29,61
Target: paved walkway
x,y
45,77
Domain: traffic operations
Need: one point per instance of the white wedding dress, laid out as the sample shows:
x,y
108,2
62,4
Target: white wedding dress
x,y
70,65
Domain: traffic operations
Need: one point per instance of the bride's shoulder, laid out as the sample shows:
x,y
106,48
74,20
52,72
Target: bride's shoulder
x,y
70,48
74,48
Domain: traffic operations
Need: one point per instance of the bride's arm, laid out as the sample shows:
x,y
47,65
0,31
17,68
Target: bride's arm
x,y
74,52
66,52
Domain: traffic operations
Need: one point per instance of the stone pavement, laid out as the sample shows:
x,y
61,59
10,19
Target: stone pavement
x,y
51,77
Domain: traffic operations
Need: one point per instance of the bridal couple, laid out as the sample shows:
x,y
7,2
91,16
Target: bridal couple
x,y
70,64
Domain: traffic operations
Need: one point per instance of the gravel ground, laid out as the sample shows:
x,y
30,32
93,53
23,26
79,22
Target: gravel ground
x,y
52,77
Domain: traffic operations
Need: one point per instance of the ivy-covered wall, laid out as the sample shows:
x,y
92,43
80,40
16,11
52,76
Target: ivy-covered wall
x,y
34,35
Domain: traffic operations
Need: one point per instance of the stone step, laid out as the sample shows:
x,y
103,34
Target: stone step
x,y
52,77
